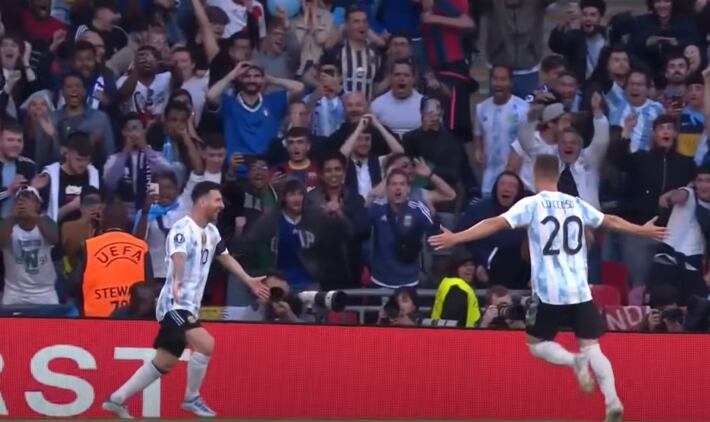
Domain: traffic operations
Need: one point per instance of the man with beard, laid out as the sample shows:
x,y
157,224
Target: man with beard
x,y
679,258
144,90
610,77
252,120
76,116
581,46
399,108
673,96
498,258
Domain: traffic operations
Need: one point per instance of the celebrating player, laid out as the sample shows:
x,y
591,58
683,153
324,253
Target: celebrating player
x,y
558,253
192,243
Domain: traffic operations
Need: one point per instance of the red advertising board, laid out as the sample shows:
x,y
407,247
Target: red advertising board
x,y
65,368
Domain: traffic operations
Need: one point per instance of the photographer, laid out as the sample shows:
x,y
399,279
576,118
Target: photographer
x,y
501,311
665,315
282,306
401,309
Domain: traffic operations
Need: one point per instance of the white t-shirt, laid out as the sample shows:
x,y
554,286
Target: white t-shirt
x,y
238,16
148,99
558,250
200,246
29,271
498,125
684,233
401,116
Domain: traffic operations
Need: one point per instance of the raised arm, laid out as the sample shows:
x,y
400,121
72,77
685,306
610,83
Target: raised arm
x,y
485,228
392,142
209,41
214,94
293,88
649,229
600,142
349,143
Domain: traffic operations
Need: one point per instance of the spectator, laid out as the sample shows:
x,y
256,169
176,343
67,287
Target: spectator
x,y
455,298
567,92
692,120
63,182
40,145
17,80
88,225
39,27
251,121
665,316
100,81
399,108
325,104
356,106
238,49
582,46
244,16
303,240
553,122
104,22
442,27
141,306
360,62
145,90
26,239
676,74
644,110
498,259
364,170
398,226
696,61
436,145
610,77
498,298
16,171
279,52
299,164
297,117
506,33
650,174
312,26
108,265
128,173
402,308
497,121
655,34
338,201
196,85
208,40
75,116
551,68
579,175
679,259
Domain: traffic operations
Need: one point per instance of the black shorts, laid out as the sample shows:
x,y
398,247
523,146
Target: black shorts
x,y
173,327
545,320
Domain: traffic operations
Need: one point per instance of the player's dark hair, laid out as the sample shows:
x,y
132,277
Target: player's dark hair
x,y
547,167
333,156
204,188
81,143
166,175
662,120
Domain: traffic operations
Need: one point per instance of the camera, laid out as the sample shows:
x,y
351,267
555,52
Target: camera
x,y
673,314
514,312
333,300
277,294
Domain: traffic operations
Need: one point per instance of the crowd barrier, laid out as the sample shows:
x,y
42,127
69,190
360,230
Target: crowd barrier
x,y
65,368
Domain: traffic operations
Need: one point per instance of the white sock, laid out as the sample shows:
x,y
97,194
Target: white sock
x,y
552,352
196,369
142,378
604,373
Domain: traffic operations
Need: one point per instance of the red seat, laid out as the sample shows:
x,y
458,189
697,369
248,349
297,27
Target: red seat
x,y
604,296
615,274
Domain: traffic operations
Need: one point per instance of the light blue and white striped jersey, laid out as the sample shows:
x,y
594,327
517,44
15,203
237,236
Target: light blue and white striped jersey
x,y
647,113
558,250
199,246
498,125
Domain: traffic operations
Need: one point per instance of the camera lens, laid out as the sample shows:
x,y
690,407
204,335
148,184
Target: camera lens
x,y
276,294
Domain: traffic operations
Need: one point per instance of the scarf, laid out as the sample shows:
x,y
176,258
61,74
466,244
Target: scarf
x,y
138,191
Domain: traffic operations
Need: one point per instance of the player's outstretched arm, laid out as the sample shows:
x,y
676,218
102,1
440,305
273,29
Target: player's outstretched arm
x,y
483,229
650,229
255,284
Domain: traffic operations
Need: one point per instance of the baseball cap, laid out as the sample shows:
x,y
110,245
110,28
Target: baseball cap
x,y
552,112
216,15
29,190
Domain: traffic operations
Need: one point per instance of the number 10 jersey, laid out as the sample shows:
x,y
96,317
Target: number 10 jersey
x,y
558,251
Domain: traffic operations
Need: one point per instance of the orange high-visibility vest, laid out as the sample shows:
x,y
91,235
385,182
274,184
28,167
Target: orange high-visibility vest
x,y
115,261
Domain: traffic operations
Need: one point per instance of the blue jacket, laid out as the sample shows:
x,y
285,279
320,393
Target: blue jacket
x,y
413,221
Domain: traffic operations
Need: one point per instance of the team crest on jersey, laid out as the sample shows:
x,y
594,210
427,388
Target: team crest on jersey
x,y
179,239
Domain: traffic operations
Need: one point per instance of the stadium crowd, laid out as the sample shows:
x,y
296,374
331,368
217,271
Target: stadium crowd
x,y
344,133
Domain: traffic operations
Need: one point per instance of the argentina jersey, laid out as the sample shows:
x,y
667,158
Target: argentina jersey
x,y
199,245
558,252
641,134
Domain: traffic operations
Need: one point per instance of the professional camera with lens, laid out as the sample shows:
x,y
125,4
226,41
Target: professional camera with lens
x,y
514,312
672,313
333,300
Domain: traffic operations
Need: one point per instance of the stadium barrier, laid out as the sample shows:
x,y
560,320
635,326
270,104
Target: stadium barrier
x,y
65,368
